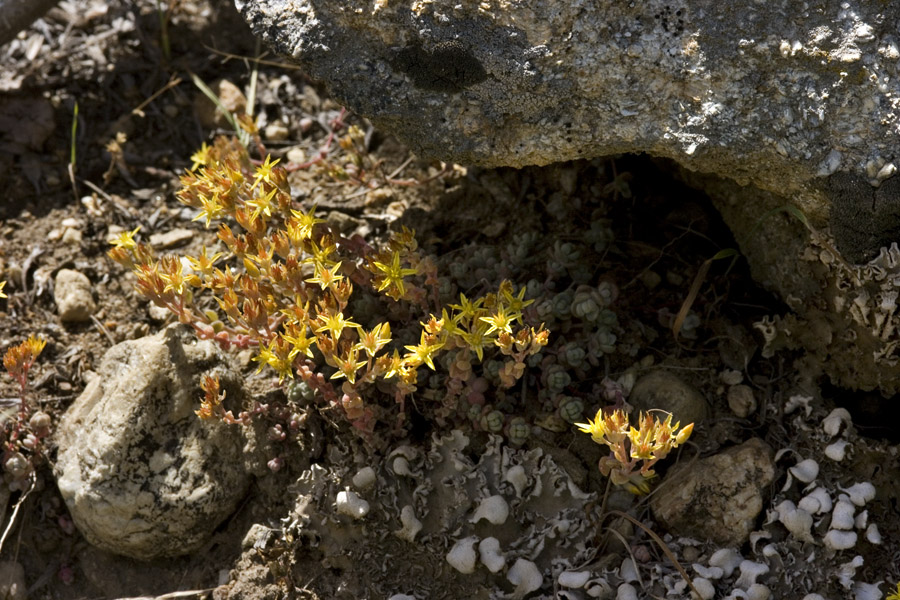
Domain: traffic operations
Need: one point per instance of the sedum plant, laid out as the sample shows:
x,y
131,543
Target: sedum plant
x,y
283,287
22,431
650,442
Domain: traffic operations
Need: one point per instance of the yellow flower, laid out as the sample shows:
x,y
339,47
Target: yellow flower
x,y
264,171
124,240
348,367
500,321
200,157
375,340
2,284
203,263
894,595
393,274
300,227
326,277
335,324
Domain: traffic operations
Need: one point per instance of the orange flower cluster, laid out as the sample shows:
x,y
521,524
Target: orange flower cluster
x,y
649,443
288,297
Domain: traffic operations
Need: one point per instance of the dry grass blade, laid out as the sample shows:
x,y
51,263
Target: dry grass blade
x,y
661,545
695,287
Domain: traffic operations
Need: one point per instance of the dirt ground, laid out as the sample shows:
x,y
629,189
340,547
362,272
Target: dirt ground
x,y
91,70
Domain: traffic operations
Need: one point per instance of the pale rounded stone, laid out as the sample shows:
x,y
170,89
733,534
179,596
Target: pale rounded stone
x,y
718,497
141,474
72,293
663,390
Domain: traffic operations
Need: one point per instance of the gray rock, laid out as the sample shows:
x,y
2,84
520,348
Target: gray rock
x,y
72,293
778,95
660,389
141,474
718,497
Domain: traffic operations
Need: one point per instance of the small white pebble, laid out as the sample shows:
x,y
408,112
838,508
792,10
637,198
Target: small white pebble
x,y
628,571
626,591
493,508
573,579
860,493
796,520
836,451
872,534
517,477
835,421
348,503
866,591
816,502
491,557
861,520
708,572
402,597
749,572
704,587
400,466
836,539
411,525
728,559
814,597
805,470
462,555
364,478
525,575
758,591
842,515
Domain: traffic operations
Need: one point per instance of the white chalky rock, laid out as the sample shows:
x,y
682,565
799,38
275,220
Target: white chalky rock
x,y
861,520
402,597
517,477
837,451
836,539
72,293
814,597
806,470
816,502
493,508
525,575
842,515
749,572
462,555
364,478
348,503
401,466
847,571
708,572
141,475
835,421
727,559
626,591
860,493
628,571
796,520
872,534
573,579
491,556
411,525
758,591
704,587
866,591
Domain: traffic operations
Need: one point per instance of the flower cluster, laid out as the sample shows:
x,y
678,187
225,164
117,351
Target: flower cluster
x,y
22,431
647,444
283,286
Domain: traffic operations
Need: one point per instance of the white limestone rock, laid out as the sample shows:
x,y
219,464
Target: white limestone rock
x,y
141,474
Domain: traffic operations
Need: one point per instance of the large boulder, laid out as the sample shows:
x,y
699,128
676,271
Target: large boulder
x,y
764,105
141,474
798,99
